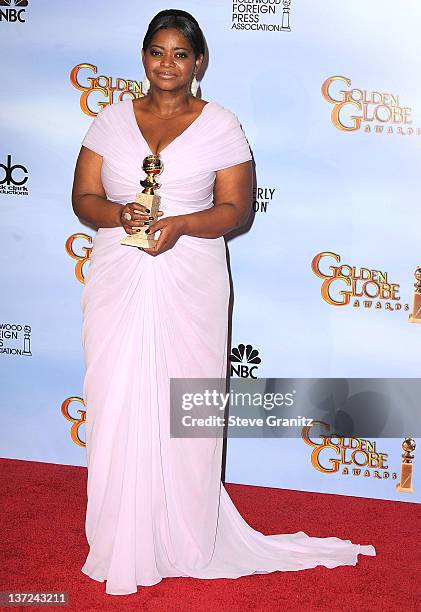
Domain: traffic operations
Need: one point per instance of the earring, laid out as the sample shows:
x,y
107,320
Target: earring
x,y
145,85
194,86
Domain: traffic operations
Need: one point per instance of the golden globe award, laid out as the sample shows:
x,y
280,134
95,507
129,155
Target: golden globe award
x,y
153,166
415,316
405,484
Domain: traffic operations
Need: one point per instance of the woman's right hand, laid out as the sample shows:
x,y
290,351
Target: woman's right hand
x,y
140,217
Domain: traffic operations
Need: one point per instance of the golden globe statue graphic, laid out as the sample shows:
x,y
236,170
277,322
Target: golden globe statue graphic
x,y
405,483
415,316
153,166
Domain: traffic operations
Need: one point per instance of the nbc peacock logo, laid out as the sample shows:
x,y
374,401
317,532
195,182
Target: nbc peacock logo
x,y
14,10
244,361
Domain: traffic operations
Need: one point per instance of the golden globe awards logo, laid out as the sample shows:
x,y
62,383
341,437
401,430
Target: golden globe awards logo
x,y
362,287
370,111
350,456
100,91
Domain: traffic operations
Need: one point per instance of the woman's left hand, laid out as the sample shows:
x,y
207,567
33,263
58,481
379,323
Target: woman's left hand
x,y
171,230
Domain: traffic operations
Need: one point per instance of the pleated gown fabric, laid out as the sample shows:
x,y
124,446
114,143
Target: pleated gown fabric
x,y
156,505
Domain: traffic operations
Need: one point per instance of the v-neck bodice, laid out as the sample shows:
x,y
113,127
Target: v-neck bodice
x,y
213,141
190,126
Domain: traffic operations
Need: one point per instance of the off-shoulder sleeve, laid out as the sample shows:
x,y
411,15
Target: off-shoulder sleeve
x,y
98,134
233,147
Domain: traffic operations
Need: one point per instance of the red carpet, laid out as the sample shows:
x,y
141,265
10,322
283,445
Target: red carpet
x,y
43,548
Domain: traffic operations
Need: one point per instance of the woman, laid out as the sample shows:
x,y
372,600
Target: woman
x,y
156,504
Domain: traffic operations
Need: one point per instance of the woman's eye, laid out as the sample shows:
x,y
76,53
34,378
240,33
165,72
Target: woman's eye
x,y
181,54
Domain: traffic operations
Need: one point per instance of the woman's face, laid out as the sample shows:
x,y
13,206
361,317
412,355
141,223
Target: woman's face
x,y
169,60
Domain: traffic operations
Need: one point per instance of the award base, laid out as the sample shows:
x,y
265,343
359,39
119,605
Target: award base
x,y
412,319
415,315
141,239
404,489
405,483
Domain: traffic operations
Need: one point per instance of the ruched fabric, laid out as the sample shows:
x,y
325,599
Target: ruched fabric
x,y
156,505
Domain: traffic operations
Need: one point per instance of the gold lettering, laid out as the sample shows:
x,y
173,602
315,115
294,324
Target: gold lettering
x,y
80,259
77,421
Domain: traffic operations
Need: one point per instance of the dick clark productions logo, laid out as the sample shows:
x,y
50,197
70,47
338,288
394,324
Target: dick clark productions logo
x,y
13,178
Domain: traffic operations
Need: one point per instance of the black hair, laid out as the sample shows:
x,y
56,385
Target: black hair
x,y
181,21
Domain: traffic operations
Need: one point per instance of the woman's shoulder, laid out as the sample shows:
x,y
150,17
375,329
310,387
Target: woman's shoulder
x,y
224,114
110,111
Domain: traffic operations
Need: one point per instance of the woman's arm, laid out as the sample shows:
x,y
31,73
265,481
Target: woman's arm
x,y
88,196
232,197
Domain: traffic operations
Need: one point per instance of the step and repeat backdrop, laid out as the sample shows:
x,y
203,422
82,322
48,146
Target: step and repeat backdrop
x,y
323,274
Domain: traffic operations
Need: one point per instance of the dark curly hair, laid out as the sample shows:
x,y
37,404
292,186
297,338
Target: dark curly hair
x,y
181,21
